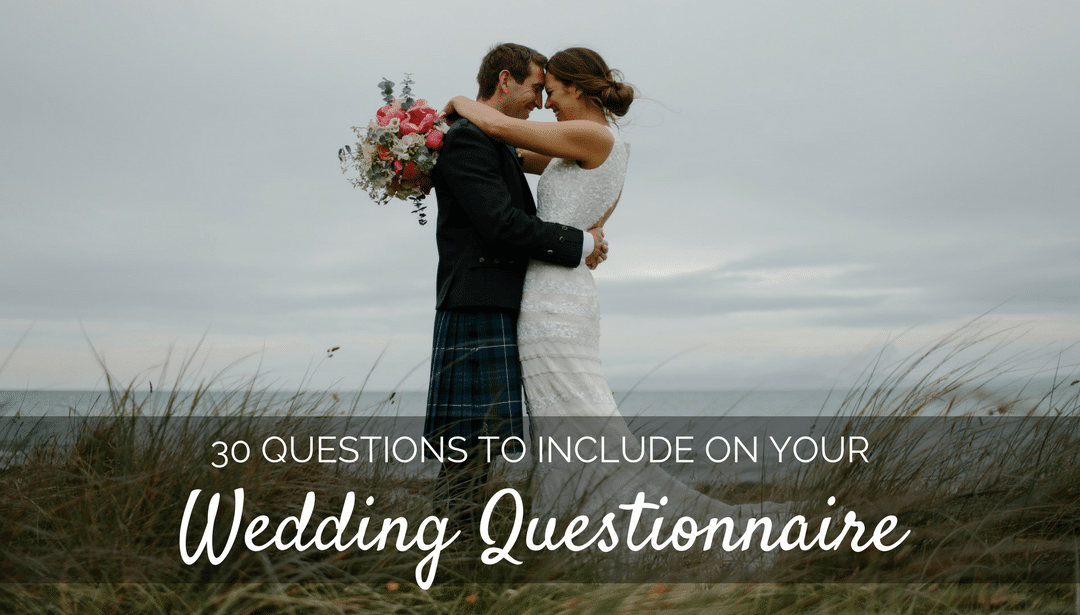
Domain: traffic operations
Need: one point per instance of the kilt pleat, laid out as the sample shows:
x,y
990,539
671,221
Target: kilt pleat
x,y
475,384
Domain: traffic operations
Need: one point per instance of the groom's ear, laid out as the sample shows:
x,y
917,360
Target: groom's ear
x,y
504,79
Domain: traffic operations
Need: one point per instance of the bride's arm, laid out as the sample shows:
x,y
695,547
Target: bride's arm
x,y
533,163
582,140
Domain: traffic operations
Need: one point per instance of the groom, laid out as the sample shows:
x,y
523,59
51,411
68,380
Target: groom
x,y
487,231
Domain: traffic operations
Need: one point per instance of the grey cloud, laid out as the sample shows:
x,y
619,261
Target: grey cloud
x,y
174,166
885,289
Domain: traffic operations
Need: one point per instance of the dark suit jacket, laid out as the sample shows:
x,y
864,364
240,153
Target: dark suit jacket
x,y
487,229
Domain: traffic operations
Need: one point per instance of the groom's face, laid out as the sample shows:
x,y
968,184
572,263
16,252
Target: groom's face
x,y
527,95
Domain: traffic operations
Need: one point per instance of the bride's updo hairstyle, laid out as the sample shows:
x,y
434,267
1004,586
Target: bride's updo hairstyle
x,y
585,69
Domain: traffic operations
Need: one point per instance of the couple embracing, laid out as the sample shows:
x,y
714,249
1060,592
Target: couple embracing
x,y
517,305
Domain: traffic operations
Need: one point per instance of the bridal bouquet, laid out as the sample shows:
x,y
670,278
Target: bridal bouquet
x,y
395,155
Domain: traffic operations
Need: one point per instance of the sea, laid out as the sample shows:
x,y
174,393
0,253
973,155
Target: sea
x,y
773,431
760,403
749,403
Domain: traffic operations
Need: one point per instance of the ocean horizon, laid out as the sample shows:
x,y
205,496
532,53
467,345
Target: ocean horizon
x,y
706,403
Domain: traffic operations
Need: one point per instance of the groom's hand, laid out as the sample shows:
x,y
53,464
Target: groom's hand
x,y
600,248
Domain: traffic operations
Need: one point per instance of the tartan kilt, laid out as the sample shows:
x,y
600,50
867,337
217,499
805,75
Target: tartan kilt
x,y
475,385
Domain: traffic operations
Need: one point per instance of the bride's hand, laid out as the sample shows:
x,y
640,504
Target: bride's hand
x,y
450,111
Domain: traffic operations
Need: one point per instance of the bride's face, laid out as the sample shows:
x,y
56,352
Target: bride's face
x,y
564,100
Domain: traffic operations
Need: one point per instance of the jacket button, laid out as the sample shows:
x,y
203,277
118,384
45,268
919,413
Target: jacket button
x,y
496,261
566,228
481,259
562,239
551,251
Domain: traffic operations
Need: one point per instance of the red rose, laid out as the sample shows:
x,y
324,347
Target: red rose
x,y
424,184
411,173
434,139
384,152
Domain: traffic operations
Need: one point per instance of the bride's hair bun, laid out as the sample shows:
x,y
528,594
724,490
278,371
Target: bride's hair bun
x,y
585,69
616,98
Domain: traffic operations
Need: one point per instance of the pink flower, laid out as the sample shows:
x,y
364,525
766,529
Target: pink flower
x,y
381,115
434,139
419,118
387,113
398,166
421,115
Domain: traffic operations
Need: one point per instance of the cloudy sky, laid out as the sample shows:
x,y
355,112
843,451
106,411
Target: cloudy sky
x,y
810,182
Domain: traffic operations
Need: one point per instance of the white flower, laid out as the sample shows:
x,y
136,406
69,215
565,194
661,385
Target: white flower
x,y
403,146
363,163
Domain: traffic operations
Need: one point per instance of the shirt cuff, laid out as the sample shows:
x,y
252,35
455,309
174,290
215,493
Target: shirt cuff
x,y
587,245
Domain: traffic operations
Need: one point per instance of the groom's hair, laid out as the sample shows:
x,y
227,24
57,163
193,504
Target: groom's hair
x,y
506,56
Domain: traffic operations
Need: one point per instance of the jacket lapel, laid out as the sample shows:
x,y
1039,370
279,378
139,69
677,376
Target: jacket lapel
x,y
528,204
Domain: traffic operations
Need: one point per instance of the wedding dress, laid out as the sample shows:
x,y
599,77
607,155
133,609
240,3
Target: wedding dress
x,y
566,392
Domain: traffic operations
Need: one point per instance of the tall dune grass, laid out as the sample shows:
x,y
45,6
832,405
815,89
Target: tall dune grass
x,y
89,524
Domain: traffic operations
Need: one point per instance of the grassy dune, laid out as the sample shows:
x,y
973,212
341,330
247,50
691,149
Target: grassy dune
x,y
90,525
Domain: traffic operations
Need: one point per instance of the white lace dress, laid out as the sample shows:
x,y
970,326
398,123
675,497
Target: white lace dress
x,y
566,392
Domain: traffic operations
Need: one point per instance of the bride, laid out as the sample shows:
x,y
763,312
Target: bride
x,y
582,162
